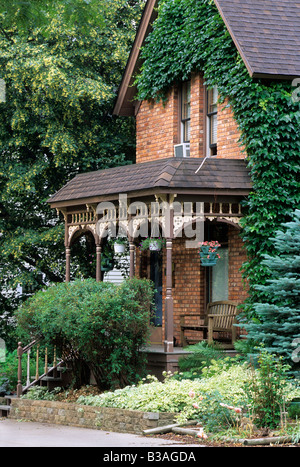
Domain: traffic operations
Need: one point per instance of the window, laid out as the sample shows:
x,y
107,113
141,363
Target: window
x,y
186,112
212,118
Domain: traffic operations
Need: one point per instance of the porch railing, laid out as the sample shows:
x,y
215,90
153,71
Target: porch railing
x,y
37,378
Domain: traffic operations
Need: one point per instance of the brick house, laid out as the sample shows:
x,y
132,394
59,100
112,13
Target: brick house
x,y
188,162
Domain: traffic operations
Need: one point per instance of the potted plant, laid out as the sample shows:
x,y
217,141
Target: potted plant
x,y
153,243
208,253
119,245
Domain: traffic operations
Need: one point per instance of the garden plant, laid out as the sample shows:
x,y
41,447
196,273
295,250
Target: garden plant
x,y
228,398
98,326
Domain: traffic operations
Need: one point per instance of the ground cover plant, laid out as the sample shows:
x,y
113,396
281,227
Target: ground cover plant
x,y
9,370
229,399
224,390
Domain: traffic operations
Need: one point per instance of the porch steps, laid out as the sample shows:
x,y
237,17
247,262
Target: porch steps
x,y
60,376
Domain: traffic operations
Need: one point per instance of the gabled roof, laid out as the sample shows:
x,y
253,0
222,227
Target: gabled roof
x,y
174,175
127,90
266,33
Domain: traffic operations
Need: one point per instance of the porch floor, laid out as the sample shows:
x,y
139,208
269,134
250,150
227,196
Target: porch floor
x,y
155,348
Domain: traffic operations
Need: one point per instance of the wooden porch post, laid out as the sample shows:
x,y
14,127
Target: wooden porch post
x,y
68,249
169,323
98,263
19,385
132,257
68,261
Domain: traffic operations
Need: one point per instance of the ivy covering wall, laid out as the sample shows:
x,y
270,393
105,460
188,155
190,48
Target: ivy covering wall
x,y
190,36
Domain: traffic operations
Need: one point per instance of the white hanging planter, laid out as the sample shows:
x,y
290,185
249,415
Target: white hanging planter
x,y
119,248
154,245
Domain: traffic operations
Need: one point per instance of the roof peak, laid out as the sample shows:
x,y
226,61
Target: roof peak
x,y
266,34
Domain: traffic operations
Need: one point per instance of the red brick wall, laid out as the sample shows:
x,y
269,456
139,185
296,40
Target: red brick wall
x,y
188,290
237,256
157,127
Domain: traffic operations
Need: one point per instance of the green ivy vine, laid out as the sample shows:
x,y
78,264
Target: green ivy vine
x,y
189,36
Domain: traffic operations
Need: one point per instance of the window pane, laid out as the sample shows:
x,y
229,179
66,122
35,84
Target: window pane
x,y
186,112
213,129
186,100
212,100
219,276
187,131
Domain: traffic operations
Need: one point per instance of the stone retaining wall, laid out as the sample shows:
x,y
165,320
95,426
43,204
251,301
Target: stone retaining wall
x,y
101,418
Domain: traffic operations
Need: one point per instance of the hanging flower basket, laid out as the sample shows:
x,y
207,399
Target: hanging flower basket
x,y
119,248
152,244
208,253
120,245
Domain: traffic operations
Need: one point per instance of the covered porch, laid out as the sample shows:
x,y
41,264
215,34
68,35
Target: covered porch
x,y
176,201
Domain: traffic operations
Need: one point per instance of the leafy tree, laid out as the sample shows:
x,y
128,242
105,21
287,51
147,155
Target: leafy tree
x,y
277,325
61,80
36,13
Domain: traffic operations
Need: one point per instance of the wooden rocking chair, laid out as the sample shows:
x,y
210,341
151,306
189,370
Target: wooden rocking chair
x,y
220,317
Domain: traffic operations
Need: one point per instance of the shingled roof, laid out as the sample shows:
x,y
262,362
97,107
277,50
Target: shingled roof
x,y
266,33
170,175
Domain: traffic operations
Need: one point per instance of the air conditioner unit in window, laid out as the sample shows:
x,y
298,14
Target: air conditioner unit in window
x,y
182,150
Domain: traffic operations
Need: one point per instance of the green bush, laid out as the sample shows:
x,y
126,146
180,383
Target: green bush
x,y
268,390
201,356
99,325
9,371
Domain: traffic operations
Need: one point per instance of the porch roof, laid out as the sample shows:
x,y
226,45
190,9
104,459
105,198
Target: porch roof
x,y
171,175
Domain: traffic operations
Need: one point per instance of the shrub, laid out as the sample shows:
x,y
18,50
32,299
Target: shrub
x,y
268,390
201,356
100,325
9,371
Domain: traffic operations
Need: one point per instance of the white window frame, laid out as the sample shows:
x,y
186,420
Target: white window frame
x,y
184,120
211,148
